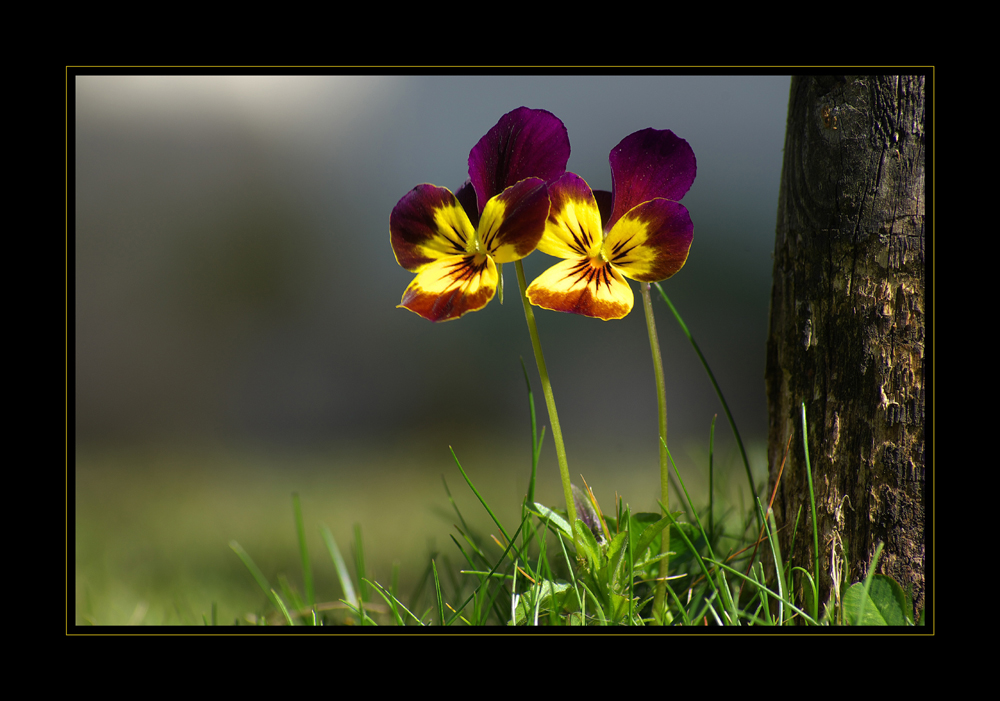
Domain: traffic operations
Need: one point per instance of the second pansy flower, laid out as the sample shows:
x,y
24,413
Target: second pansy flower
x,y
648,234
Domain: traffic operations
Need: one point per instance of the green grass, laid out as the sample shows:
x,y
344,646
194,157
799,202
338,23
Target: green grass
x,y
366,536
153,524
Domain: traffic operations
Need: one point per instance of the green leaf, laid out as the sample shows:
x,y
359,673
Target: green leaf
x,y
884,606
539,595
553,519
589,545
616,556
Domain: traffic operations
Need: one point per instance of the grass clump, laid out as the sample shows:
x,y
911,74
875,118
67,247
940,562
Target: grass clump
x,y
601,569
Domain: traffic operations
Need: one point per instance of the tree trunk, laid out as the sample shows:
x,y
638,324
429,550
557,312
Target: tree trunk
x,y
847,329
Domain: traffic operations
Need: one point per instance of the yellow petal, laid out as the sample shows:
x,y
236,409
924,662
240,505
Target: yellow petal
x,y
582,286
429,224
651,242
450,287
573,228
513,221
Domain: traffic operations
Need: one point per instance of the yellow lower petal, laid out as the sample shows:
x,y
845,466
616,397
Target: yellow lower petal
x,y
574,225
450,287
651,242
582,286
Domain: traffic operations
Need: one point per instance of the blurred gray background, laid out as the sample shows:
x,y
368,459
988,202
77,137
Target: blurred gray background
x,y
234,278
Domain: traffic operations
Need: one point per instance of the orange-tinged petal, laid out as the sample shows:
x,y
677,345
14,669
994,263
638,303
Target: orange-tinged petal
x,y
450,287
513,221
582,286
573,228
651,241
428,224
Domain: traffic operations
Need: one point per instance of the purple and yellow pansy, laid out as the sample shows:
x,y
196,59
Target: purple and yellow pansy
x,y
455,241
643,233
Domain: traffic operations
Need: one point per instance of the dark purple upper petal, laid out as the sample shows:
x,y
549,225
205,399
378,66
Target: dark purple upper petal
x,y
466,196
525,143
604,204
648,164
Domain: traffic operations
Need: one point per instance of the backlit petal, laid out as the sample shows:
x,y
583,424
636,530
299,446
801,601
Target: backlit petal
x,y
513,221
449,287
466,195
525,143
651,242
648,164
579,286
427,224
573,229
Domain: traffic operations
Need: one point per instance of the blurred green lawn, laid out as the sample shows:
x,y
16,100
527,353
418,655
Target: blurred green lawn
x,y
153,525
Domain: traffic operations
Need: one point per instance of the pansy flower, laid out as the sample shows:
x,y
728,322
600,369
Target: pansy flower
x,y
455,241
643,233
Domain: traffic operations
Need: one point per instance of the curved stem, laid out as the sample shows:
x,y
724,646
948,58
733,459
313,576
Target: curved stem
x,y
550,401
661,410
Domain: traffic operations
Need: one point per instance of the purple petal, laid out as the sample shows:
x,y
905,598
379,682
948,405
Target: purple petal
x,y
515,220
428,224
466,197
525,143
604,203
648,164
652,241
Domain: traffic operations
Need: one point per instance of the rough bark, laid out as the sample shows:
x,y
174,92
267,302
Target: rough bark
x,y
847,328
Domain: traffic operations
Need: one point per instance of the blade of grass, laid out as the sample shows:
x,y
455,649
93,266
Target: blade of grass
x,y
510,544
812,587
697,557
394,587
303,550
483,577
812,505
764,589
760,579
293,597
479,496
718,390
437,593
281,606
770,504
680,606
338,562
694,511
513,597
453,504
254,572
779,566
711,475
359,566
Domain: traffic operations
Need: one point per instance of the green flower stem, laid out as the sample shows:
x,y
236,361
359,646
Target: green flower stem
x,y
661,410
550,401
